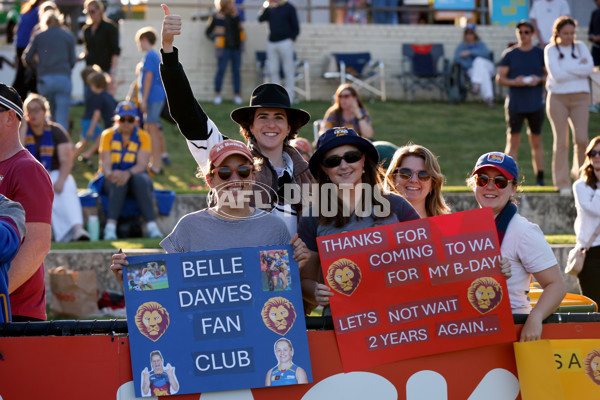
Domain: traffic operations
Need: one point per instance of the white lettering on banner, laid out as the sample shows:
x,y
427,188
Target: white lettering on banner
x,y
428,384
217,324
215,295
477,265
402,275
498,383
401,255
460,328
212,267
222,360
352,241
411,235
439,271
475,245
356,321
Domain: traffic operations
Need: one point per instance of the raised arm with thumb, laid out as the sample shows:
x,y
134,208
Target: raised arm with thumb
x,y
171,26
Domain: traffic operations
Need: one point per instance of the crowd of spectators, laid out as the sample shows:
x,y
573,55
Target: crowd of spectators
x,y
343,155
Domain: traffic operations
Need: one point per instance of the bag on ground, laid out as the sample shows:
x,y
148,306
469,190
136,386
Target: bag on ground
x,y
74,293
575,261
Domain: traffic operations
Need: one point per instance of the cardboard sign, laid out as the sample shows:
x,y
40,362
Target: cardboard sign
x,y
215,320
416,288
559,369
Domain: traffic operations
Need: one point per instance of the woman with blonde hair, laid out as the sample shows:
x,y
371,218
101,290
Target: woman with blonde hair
x,y
50,145
349,111
586,191
569,64
416,175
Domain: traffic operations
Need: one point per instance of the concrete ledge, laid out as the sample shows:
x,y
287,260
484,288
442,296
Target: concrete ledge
x,y
100,260
554,213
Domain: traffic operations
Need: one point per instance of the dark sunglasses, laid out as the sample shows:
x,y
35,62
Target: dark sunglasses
x,y
243,171
350,157
593,153
127,119
525,32
407,173
500,181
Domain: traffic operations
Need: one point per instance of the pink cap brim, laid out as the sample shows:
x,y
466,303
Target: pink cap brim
x,y
230,152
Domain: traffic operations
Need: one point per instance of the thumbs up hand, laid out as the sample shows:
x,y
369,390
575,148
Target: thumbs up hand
x,y
171,26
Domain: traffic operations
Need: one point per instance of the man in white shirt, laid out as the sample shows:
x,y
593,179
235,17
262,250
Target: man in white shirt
x,y
543,13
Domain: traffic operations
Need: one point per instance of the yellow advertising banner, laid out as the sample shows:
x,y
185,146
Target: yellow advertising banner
x,y
559,369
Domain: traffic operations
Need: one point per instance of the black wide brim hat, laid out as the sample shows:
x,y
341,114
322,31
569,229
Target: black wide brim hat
x,y
269,95
336,137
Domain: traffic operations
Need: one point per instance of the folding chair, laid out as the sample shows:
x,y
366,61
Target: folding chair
x,y
301,74
424,66
360,70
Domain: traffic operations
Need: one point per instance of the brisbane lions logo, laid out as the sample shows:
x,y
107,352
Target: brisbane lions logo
x,y
279,315
344,276
484,294
152,320
591,365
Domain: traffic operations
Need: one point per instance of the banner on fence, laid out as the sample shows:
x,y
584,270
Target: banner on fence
x,y
216,320
416,288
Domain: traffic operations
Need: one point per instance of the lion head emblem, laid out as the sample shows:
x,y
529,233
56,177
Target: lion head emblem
x,y
279,315
344,276
152,320
484,294
591,365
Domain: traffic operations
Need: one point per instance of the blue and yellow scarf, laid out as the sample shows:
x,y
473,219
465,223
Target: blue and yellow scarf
x,y
124,157
46,149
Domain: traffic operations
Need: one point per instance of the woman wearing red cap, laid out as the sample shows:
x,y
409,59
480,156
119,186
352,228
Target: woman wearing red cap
x,y
231,172
494,182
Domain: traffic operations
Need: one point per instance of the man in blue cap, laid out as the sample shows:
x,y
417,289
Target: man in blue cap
x,y
124,157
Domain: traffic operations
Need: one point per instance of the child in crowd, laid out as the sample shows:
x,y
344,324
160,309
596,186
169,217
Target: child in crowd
x,y
152,96
99,103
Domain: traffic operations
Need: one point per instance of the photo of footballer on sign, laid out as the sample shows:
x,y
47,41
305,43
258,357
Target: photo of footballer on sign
x,y
203,321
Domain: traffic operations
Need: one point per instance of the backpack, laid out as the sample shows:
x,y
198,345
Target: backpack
x,y
456,87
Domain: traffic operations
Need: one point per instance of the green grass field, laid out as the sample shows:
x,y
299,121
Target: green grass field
x,y
457,134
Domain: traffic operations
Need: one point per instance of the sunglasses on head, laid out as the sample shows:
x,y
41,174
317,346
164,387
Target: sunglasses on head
x,y
243,171
127,119
350,157
407,173
345,95
500,181
593,153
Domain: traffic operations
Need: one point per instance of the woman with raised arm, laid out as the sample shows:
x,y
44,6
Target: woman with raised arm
x,y
267,124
